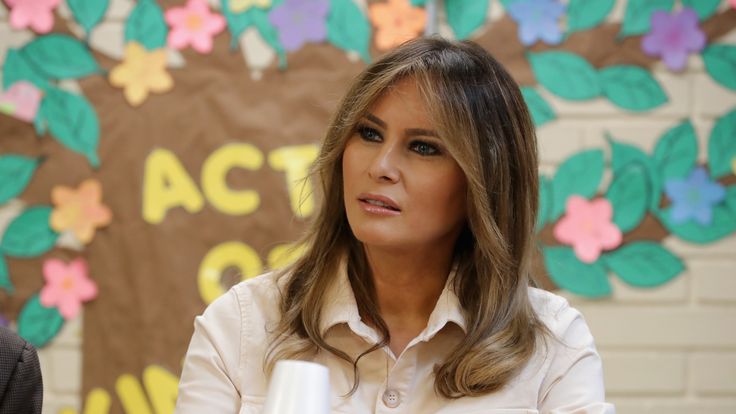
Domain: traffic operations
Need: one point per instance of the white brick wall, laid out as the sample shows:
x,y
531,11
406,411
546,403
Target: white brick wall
x,y
670,349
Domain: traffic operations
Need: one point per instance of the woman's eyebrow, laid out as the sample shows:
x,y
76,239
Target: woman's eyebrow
x,y
411,132
376,120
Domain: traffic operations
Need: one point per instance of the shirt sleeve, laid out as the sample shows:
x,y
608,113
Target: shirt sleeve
x,y
209,380
574,384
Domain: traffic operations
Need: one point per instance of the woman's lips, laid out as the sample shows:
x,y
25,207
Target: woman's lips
x,y
378,204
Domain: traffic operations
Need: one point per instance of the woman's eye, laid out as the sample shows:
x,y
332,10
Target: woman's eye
x,y
369,134
424,148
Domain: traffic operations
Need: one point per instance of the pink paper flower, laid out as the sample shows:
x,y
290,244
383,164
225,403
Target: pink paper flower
x,y
193,25
36,14
674,36
587,227
67,286
733,4
21,100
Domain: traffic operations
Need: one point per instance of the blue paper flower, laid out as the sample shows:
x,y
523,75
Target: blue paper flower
x,y
537,20
694,197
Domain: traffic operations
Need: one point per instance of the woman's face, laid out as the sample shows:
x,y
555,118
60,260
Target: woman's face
x,y
402,189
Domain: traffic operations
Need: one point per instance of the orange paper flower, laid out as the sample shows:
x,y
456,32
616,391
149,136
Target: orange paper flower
x,y
80,211
396,22
140,73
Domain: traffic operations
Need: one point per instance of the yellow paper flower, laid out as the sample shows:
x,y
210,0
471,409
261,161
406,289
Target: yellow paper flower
x,y
733,166
237,6
80,211
140,73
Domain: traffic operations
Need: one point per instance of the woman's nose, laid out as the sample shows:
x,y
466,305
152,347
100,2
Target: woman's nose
x,y
384,166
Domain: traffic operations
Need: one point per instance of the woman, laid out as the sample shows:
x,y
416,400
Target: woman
x,y
414,287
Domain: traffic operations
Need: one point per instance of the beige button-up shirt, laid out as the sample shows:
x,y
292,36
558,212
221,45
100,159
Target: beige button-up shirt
x,y
223,369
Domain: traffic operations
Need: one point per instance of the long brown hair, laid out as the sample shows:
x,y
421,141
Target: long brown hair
x,y
480,115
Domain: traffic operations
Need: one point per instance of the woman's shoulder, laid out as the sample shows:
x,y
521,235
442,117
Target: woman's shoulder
x,y
553,310
256,297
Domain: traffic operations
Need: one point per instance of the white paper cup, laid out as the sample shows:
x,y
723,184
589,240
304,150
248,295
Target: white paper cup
x,y
298,387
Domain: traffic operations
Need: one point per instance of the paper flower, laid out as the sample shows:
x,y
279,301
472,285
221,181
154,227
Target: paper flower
x,y
733,4
300,21
237,6
67,286
694,197
80,211
140,73
4,322
36,14
587,227
673,36
537,20
193,24
21,100
396,22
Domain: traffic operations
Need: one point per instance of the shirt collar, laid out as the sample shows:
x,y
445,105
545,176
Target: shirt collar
x,y
341,307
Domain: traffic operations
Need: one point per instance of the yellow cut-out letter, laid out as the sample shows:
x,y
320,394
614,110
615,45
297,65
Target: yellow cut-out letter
x,y
295,161
218,259
162,388
214,174
131,395
166,184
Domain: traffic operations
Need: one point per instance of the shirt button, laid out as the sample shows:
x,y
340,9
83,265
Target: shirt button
x,y
391,398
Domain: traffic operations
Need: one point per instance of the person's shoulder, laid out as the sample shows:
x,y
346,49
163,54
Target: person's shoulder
x,y
11,345
552,309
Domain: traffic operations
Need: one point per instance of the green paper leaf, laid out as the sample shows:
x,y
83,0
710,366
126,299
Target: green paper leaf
x,y
631,87
465,17
146,25
418,3
722,225
17,68
38,324
58,56
541,111
88,13
629,196
73,122
29,234
545,201
39,123
348,28
5,282
565,74
704,8
720,62
580,174
236,22
638,15
722,145
676,151
624,155
15,173
571,274
644,264
586,14
269,33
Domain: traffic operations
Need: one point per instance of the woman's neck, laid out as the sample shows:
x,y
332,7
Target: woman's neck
x,y
407,288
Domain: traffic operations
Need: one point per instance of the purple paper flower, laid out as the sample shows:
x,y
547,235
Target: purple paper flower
x,y
4,322
694,197
537,19
300,21
674,36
